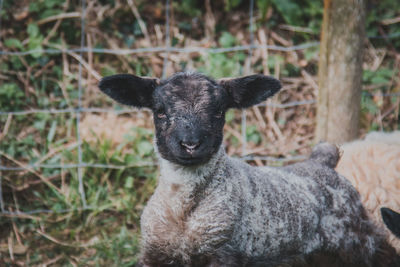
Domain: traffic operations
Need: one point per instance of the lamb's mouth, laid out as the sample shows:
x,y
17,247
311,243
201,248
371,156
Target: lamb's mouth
x,y
191,161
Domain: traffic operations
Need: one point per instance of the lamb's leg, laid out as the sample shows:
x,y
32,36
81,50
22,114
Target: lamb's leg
x,y
223,259
323,259
386,256
219,263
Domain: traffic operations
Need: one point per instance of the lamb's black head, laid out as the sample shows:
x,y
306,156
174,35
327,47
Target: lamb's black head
x,y
189,108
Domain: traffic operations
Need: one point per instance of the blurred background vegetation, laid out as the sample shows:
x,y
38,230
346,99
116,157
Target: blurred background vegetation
x,y
108,233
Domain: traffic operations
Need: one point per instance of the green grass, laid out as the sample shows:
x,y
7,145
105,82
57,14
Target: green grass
x,y
108,233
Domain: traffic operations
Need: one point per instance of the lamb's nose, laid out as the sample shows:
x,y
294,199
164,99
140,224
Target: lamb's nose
x,y
190,146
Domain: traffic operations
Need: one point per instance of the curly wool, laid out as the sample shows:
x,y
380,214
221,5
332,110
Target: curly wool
x,y
373,167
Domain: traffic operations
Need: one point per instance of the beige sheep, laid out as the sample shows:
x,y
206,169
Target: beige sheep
x,y
373,167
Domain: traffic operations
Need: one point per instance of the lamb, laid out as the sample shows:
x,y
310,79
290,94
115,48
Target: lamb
x,y
213,210
373,167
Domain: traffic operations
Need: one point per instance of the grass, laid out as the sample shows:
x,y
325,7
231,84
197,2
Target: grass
x,y
106,234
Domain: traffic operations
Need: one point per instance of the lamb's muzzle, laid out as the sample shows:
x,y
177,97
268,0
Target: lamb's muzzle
x,y
212,210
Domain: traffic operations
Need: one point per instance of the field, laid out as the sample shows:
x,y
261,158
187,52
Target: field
x,y
114,142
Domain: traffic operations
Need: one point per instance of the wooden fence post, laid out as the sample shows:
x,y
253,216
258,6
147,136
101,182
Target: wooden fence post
x,y
340,70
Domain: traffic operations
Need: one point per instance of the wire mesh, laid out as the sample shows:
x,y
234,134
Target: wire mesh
x,y
167,49
78,113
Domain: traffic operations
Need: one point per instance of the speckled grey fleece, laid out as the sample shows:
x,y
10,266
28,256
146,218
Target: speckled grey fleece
x,y
212,210
228,213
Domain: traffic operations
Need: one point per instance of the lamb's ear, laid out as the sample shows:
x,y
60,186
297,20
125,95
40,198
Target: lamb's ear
x,y
249,90
392,220
129,89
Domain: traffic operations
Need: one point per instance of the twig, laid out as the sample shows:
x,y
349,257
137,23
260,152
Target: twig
x,y
277,69
390,110
298,146
58,23
124,60
26,80
142,25
309,79
28,184
16,232
159,34
259,151
233,132
258,162
59,17
80,60
52,261
39,72
63,81
259,117
210,21
6,127
95,74
15,201
73,263
264,51
3,77
390,21
274,125
21,215
17,249
279,39
54,151
64,188
52,32
10,247
55,240
378,56
296,29
90,61
22,165
63,243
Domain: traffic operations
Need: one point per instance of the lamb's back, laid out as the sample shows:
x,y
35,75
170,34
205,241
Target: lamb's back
x,y
298,209
344,224
278,211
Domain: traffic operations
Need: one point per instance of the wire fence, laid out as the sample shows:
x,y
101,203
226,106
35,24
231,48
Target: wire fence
x,y
79,109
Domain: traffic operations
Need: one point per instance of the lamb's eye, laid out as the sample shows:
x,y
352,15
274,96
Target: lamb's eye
x,y
219,114
161,115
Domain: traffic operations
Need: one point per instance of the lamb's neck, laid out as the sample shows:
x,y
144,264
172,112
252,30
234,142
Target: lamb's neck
x,y
193,176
